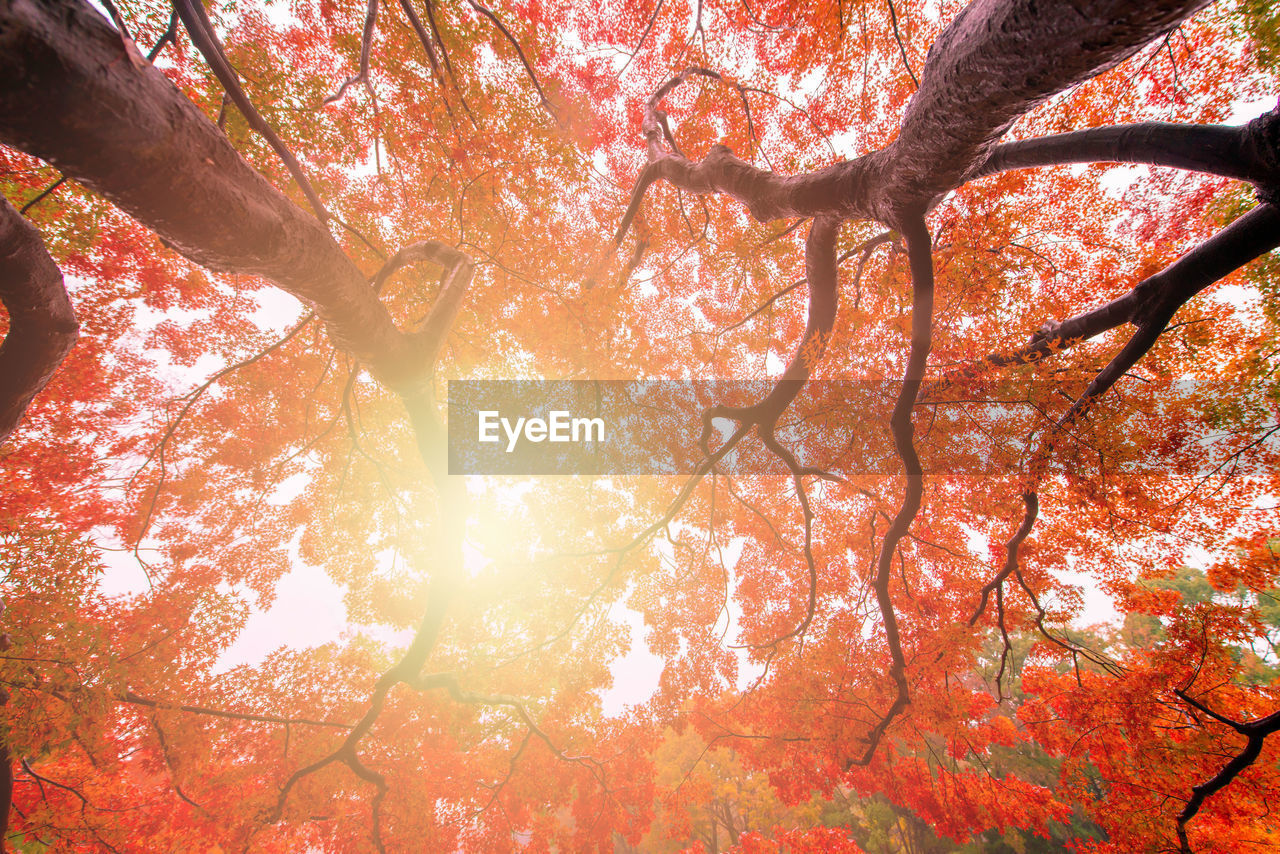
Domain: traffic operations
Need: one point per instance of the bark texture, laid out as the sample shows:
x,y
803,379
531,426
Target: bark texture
x,y
997,60
73,93
42,324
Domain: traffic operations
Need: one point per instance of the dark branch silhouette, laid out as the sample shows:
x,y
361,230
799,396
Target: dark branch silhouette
x,y
902,49
524,60
1255,733
196,21
921,259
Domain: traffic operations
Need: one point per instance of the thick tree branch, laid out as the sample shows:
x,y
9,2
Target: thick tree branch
x,y
69,94
42,324
997,60
1249,152
456,279
838,190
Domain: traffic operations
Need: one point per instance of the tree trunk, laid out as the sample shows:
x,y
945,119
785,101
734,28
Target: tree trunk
x,y
42,324
73,92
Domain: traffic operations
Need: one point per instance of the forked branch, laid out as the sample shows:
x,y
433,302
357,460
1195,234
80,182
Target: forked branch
x,y
1159,297
1255,733
1031,508
1149,306
427,41
1245,239
366,47
824,296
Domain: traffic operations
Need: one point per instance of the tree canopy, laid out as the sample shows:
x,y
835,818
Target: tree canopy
x,y
981,290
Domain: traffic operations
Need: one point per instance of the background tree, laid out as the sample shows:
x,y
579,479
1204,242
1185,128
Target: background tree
x,y
833,623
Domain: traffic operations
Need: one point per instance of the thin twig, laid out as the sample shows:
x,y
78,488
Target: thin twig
x,y
206,41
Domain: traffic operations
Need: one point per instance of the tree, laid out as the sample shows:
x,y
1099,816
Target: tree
x,y
846,605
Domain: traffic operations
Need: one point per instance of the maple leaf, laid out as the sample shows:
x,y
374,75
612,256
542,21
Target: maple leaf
x,y
1042,386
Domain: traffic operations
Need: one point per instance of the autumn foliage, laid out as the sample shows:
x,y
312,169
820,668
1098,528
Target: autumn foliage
x,y
246,609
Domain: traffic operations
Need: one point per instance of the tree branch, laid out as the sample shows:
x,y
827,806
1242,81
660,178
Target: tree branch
x,y
69,95
138,700
1246,152
865,248
893,18
920,255
824,296
1246,238
169,36
458,270
1255,733
528,69
42,323
366,46
997,60
43,194
206,41
444,56
1159,297
425,40
653,19
1031,505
